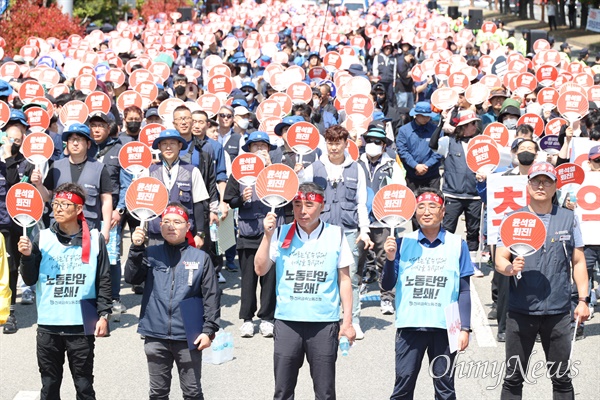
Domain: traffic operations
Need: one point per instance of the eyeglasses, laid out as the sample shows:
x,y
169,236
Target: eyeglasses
x,y
61,206
537,182
378,142
226,116
75,139
182,119
433,208
596,161
175,224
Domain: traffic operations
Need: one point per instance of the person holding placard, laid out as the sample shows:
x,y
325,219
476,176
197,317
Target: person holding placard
x,y
345,185
68,263
540,302
90,174
307,313
380,170
252,211
430,269
175,274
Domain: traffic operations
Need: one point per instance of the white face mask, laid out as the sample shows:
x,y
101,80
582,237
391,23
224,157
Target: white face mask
x,y
302,46
316,102
373,150
243,123
250,97
243,70
510,123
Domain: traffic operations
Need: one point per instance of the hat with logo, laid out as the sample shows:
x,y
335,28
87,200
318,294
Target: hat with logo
x,y
542,168
287,121
255,137
594,153
169,134
18,116
422,108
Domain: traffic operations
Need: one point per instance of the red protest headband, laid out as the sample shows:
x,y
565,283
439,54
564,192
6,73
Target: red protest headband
x,y
428,196
70,196
310,196
175,210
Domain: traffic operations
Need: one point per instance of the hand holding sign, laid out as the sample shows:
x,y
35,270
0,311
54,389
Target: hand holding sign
x,y
523,233
24,205
394,205
146,199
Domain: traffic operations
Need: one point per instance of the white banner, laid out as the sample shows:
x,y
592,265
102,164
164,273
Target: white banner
x,y
580,149
593,22
588,208
504,194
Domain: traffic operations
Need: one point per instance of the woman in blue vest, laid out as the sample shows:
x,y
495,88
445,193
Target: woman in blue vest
x,y
184,183
311,260
430,269
69,265
252,211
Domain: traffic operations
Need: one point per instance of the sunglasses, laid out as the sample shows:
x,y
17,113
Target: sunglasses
x,y
226,116
378,142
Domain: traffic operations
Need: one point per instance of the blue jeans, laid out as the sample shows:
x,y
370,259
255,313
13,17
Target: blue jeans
x,y
405,99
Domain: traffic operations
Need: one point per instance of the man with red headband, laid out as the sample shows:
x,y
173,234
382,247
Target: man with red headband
x,y
312,265
174,271
430,269
69,265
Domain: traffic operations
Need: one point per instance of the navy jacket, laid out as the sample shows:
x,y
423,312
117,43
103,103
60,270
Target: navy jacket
x,y
413,148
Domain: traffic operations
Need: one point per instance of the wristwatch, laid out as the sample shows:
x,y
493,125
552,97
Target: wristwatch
x,y
469,330
105,316
201,235
121,211
587,300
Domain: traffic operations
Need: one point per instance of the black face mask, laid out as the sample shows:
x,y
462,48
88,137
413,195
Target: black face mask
x,y
14,148
134,127
179,90
194,52
526,158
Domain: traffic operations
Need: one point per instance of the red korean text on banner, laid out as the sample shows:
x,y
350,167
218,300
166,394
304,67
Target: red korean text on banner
x,y
149,133
569,173
98,101
29,90
498,132
246,167
37,148
554,125
394,205
483,155
24,204
38,119
572,105
523,233
209,103
135,157
303,137
130,98
299,92
534,121
146,198
359,104
276,185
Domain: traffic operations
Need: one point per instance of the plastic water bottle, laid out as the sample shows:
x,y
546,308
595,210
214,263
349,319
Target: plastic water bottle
x,y
344,345
214,233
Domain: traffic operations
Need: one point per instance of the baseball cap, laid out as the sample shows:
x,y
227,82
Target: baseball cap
x,y
466,116
241,110
152,112
542,168
594,153
99,114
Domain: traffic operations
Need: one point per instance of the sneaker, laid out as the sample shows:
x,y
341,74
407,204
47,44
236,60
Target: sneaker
x,y
222,278
27,297
118,307
591,306
386,307
370,277
11,325
247,329
266,328
364,288
493,314
579,334
360,335
137,289
501,337
477,273
231,267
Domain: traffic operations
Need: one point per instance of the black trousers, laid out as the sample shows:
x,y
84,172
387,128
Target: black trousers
x,y
375,258
11,240
248,304
51,357
555,332
319,342
414,184
502,283
411,346
472,210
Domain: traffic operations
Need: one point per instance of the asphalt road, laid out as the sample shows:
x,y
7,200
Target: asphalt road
x,y
367,373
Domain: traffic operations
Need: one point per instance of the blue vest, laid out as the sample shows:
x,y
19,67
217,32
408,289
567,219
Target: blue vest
x,y
458,178
340,201
545,287
90,181
428,281
181,192
232,146
252,214
307,277
64,280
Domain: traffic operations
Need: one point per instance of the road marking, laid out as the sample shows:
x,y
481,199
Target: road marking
x,y
481,327
27,395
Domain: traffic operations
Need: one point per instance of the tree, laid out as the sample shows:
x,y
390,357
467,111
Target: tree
x,y
152,7
27,18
